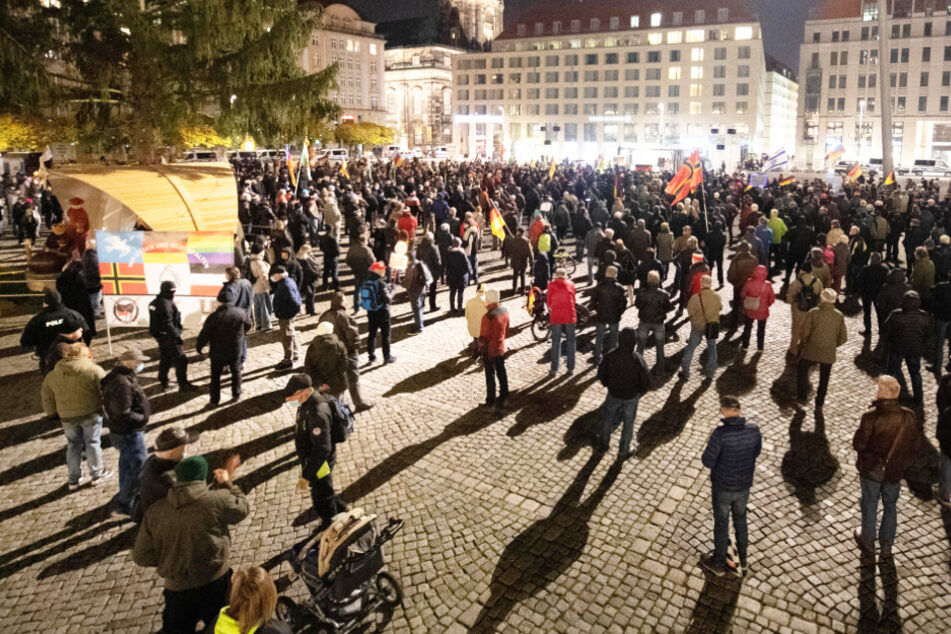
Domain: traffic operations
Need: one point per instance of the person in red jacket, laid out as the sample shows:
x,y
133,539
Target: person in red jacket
x,y
407,222
561,307
492,333
757,296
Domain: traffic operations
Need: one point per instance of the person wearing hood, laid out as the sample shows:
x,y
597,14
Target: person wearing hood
x,y
886,443
315,447
625,375
375,298
186,538
72,392
46,327
757,296
127,412
310,274
799,239
224,332
822,331
326,361
905,333
702,309
802,296
71,285
492,332
165,325
428,254
287,303
563,318
458,271
345,328
868,284
287,259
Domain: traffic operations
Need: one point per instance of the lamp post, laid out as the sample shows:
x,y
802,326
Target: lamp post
x,y
861,135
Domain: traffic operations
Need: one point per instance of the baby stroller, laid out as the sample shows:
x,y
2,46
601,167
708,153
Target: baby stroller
x,y
343,571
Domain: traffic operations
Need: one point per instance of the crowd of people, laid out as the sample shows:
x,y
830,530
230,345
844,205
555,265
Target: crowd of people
x,y
404,231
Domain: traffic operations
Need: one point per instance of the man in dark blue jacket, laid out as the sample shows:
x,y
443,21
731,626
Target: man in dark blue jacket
x,y
224,331
731,456
375,297
286,307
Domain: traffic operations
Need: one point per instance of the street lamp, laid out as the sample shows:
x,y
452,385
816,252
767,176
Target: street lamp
x,y
862,104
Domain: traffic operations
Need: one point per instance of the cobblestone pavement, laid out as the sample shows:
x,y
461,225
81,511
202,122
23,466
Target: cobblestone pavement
x,y
512,523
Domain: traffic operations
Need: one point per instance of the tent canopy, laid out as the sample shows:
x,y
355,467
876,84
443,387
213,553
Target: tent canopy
x,y
173,197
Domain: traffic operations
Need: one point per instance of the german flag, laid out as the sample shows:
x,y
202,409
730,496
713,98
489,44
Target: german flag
x,y
123,279
890,179
787,181
855,172
551,169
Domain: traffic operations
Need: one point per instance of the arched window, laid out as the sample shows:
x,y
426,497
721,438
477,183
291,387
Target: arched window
x,y
417,101
447,102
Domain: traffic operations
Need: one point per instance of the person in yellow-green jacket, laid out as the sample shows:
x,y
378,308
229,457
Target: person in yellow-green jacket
x,y
251,605
777,248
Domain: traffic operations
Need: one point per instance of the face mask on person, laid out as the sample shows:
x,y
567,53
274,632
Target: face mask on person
x,y
139,368
294,405
276,279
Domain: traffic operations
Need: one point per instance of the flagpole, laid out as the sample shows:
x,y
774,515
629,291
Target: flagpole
x,y
297,186
703,197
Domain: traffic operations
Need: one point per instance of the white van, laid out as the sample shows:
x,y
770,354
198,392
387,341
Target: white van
x,y
199,156
272,154
441,152
931,168
335,154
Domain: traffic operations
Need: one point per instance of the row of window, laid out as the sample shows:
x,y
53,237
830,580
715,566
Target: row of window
x,y
674,73
614,23
870,56
834,129
895,80
355,100
609,109
596,59
593,92
626,41
899,31
611,132
899,104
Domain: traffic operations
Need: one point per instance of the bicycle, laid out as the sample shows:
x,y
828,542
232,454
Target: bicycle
x,y
564,260
541,319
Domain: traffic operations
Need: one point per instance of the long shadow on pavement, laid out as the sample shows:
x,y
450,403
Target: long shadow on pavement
x,y
544,550
809,463
669,420
714,609
431,377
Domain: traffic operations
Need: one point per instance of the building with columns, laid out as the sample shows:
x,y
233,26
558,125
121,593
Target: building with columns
x,y
781,105
352,42
639,80
840,101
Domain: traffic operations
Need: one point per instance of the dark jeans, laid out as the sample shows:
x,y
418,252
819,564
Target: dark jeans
x,y
432,295
330,273
185,608
941,332
217,365
760,333
171,354
378,320
717,263
888,492
474,263
802,379
518,280
725,503
913,361
867,304
326,501
132,455
455,292
495,368
417,306
358,282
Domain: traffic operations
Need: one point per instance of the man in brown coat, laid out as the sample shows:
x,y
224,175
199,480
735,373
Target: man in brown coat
x,y
346,330
885,442
519,252
822,331
741,268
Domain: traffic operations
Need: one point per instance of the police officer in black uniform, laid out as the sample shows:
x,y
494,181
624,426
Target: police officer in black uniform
x,y
55,319
315,447
165,324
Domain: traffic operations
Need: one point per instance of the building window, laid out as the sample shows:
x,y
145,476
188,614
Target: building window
x,y
699,16
591,75
696,54
591,92
571,92
923,81
695,107
520,30
943,105
632,74
743,70
718,107
922,104
635,21
575,26
673,92
675,37
834,58
743,52
675,56
551,93
571,132
551,108
551,77
743,33
742,107
672,108
831,105
677,18
946,78
631,92
904,56
655,19
610,75
595,24
696,72
614,24
590,133
652,91
591,60
723,15
633,58
815,37
719,53
719,90
742,90
861,81
653,57
926,54
611,58
673,73
719,72
571,108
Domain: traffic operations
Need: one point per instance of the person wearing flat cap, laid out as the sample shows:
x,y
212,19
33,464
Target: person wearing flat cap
x,y
127,412
315,447
158,473
224,332
185,536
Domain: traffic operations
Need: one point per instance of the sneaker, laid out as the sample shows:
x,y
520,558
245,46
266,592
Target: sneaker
x,y
946,502
488,403
713,565
860,541
286,364
73,486
371,359
188,387
389,360
104,475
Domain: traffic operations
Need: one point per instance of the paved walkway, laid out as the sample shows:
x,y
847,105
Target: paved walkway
x,y
512,523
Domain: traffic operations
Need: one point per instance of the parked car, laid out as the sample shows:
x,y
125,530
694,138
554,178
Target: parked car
x,y
931,168
441,152
272,154
199,156
334,154
844,167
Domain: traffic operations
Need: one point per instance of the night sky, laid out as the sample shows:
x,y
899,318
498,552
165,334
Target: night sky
x,y
782,20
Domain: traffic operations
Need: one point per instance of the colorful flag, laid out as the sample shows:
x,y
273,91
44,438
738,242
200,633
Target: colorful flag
x,y
551,169
687,178
397,160
209,254
305,160
776,162
615,184
696,177
600,166
855,172
290,165
787,181
890,179
834,154
496,224
343,169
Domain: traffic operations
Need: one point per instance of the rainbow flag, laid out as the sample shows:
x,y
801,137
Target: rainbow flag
x,y
209,253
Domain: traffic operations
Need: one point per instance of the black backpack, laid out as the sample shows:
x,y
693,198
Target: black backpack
x,y
341,420
808,297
